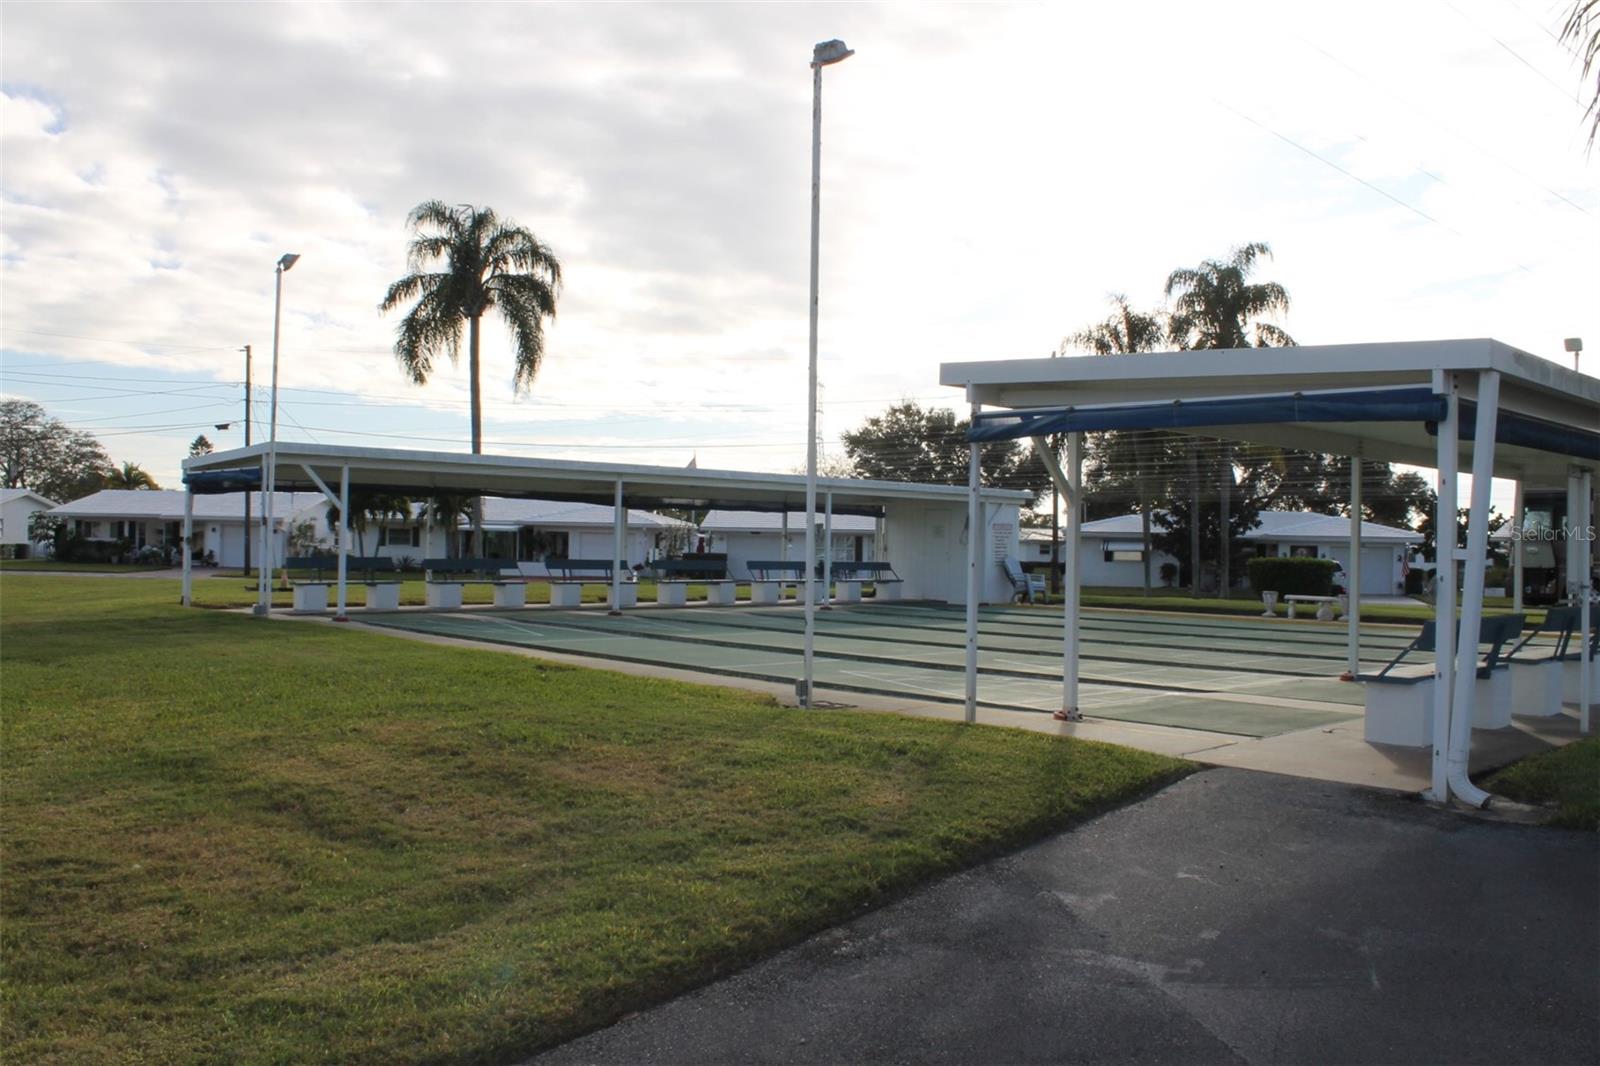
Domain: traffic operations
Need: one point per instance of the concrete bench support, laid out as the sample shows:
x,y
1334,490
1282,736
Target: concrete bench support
x,y
444,595
1572,674
886,591
1491,701
310,597
1399,714
765,593
672,593
510,594
1536,689
566,594
383,596
848,591
722,593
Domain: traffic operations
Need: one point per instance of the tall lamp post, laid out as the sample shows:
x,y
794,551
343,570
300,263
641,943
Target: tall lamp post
x,y
285,263
825,54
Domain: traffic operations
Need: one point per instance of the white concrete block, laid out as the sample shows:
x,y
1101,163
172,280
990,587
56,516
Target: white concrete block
x,y
722,593
765,593
847,592
444,595
383,596
1536,689
511,594
671,593
1401,715
1491,700
310,598
565,594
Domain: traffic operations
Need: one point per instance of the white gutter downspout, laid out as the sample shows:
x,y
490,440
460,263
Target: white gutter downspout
x,y
827,553
1444,584
1518,517
1466,687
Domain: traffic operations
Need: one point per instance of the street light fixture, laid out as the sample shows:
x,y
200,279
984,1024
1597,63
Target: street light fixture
x,y
1575,346
285,263
824,54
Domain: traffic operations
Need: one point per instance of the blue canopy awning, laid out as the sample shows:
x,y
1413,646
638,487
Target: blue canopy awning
x,y
216,482
1409,404
1525,431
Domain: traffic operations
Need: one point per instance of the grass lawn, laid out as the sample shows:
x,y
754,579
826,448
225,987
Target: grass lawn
x,y
1567,778
22,565
229,839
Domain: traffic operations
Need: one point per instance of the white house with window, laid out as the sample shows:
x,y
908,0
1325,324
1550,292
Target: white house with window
x,y
530,531
154,518
1113,548
17,508
746,535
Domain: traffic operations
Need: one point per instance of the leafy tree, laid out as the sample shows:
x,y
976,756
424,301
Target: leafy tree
x,y
1581,30
130,476
1119,467
201,445
486,263
370,507
1216,306
929,445
447,510
41,453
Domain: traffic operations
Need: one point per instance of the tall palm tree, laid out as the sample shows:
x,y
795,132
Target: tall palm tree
x,y
483,263
1217,306
130,476
1581,31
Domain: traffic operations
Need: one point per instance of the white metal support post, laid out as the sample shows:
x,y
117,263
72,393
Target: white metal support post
x,y
974,576
1463,698
1353,605
188,531
1444,584
827,553
619,534
285,262
1518,556
1072,583
340,613
1586,693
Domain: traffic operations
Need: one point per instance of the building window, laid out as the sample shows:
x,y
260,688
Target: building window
x,y
400,537
536,545
1124,557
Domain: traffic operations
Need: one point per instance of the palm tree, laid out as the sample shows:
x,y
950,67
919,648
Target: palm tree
x,y
488,263
1124,332
1218,307
1581,30
130,476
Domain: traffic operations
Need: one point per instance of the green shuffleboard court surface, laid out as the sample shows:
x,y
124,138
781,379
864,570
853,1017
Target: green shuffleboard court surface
x,y
1193,675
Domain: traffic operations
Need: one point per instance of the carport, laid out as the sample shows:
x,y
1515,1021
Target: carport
x,y
1477,405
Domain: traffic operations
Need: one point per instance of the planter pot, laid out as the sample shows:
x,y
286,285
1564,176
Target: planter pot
x,y
1270,600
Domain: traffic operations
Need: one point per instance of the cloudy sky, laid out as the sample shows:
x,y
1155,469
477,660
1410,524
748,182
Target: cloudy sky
x,y
990,174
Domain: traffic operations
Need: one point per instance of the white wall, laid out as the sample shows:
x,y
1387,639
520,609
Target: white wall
x,y
14,517
768,546
927,545
1380,567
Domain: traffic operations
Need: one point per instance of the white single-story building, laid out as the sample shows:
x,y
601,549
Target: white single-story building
x,y
767,536
17,508
522,530
154,518
1113,548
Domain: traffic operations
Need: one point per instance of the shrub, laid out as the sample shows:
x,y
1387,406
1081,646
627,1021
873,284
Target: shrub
x,y
1169,573
1290,576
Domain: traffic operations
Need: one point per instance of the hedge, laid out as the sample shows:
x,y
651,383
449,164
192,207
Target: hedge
x,y
1290,576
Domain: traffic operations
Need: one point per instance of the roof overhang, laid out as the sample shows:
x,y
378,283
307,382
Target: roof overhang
x,y
1534,390
416,473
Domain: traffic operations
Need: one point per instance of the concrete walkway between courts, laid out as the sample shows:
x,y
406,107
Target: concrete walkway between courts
x,y
1235,917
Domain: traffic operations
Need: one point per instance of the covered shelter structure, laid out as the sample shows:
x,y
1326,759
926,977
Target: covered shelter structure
x,y
925,527
1477,406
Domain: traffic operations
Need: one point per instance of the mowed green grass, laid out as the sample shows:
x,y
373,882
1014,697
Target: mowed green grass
x,y
1566,779
236,840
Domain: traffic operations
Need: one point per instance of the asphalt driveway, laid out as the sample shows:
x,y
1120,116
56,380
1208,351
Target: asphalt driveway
x,y
1234,917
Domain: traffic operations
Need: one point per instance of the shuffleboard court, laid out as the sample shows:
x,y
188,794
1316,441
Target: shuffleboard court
x,y
1242,678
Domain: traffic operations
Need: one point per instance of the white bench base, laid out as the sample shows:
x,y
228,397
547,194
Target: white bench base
x,y
1325,605
885,590
672,593
1572,673
765,593
383,596
311,597
566,594
1491,700
627,596
510,594
848,591
1536,689
444,595
1401,715
722,593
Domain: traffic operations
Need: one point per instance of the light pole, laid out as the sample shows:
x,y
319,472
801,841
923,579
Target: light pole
x,y
1574,346
285,263
825,54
